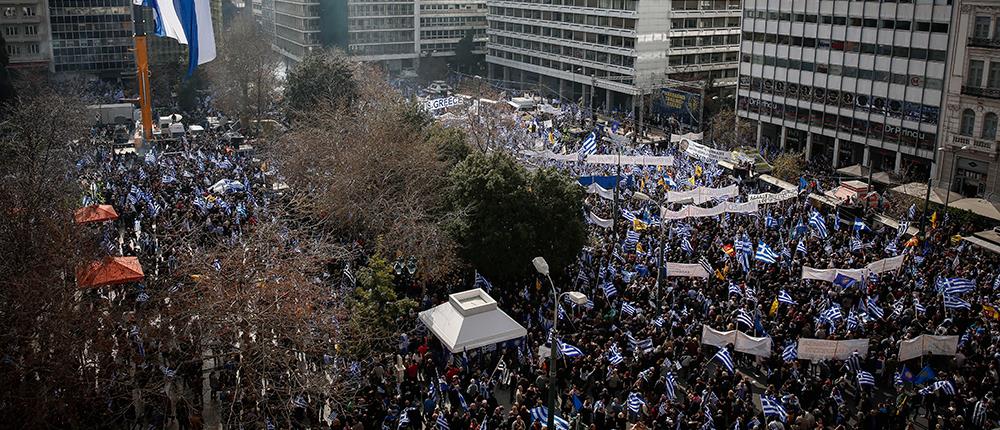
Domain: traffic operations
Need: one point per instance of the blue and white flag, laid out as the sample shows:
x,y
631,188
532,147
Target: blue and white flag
x,y
733,289
773,408
890,248
770,221
765,253
873,308
952,302
635,402
912,212
865,378
791,352
784,297
628,309
569,350
743,317
801,247
859,224
589,145
817,223
541,414
856,244
918,307
615,355
609,289
442,422
945,386
686,245
481,282
190,23
671,385
725,359
956,286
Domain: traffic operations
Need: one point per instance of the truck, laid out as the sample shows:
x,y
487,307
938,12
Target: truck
x,y
114,113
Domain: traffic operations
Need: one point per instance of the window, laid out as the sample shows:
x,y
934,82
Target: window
x,y
31,29
968,122
33,48
975,76
990,126
981,28
10,31
28,11
993,80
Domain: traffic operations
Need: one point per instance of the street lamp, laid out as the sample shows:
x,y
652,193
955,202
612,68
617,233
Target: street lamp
x,y
577,298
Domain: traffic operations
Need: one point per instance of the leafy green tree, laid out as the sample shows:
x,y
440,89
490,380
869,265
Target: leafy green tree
x,y
378,313
466,60
449,142
509,215
323,78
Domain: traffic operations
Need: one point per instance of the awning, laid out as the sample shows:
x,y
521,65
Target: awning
x,y
979,207
95,213
469,320
859,171
919,190
109,271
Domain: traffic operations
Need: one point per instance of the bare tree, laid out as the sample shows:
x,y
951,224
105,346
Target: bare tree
x,y
367,171
244,77
728,130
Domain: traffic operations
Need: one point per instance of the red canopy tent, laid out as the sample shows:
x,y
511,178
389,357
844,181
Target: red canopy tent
x,y
95,213
109,271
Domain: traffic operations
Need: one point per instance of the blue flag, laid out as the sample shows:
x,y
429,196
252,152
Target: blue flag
x,y
926,375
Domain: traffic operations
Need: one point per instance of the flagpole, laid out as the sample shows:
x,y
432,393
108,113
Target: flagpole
x,y
142,75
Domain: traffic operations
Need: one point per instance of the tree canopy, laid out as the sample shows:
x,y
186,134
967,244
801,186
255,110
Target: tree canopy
x,y
323,78
511,215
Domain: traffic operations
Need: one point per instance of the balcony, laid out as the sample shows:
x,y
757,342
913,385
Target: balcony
x,y
990,93
981,145
980,42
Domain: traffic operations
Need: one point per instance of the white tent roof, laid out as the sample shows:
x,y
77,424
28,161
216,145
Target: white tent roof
x,y
470,320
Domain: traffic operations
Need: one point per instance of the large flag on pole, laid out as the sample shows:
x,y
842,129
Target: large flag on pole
x,y
190,23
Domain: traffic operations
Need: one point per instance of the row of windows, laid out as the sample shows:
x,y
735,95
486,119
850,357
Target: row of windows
x,y
380,23
555,64
88,3
114,11
91,66
597,4
975,76
709,58
12,11
849,46
443,21
845,71
15,50
551,48
381,36
981,28
705,5
845,99
90,19
693,23
406,48
611,22
380,10
853,21
452,6
574,35
692,41
16,30
89,34
450,34
888,133
92,50
968,125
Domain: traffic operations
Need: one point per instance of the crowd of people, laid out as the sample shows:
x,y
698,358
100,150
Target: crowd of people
x,y
633,356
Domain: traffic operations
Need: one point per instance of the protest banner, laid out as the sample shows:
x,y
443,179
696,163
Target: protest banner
x,y
819,349
926,343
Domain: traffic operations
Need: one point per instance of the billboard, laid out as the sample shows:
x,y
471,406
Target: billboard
x,y
685,106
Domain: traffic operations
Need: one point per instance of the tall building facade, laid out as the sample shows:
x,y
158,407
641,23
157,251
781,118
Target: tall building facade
x,y
612,49
847,82
972,103
25,27
92,36
393,33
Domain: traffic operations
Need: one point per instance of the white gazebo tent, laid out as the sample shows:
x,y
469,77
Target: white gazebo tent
x,y
470,319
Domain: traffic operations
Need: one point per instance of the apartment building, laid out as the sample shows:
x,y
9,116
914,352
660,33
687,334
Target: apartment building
x,y
612,50
847,82
25,27
967,162
92,36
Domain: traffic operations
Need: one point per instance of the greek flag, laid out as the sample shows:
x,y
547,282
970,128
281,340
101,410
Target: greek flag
x,y
569,350
955,286
912,213
772,407
817,223
609,289
705,264
952,302
742,317
852,321
791,352
190,23
770,221
658,322
744,261
874,310
645,345
686,245
901,229
891,248
979,414
541,414
461,401
854,362
865,378
442,422
945,386
671,385
628,215
733,289
725,359
615,355
627,308
832,314
589,145
635,403
481,282
859,224
743,244
801,247
784,297
631,238
765,253
918,307
856,244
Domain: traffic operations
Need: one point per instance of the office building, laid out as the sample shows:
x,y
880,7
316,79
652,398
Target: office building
x,y
444,23
92,37
972,103
25,27
847,82
612,49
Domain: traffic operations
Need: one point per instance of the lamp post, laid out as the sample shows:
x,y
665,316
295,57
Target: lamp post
x,y
577,298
